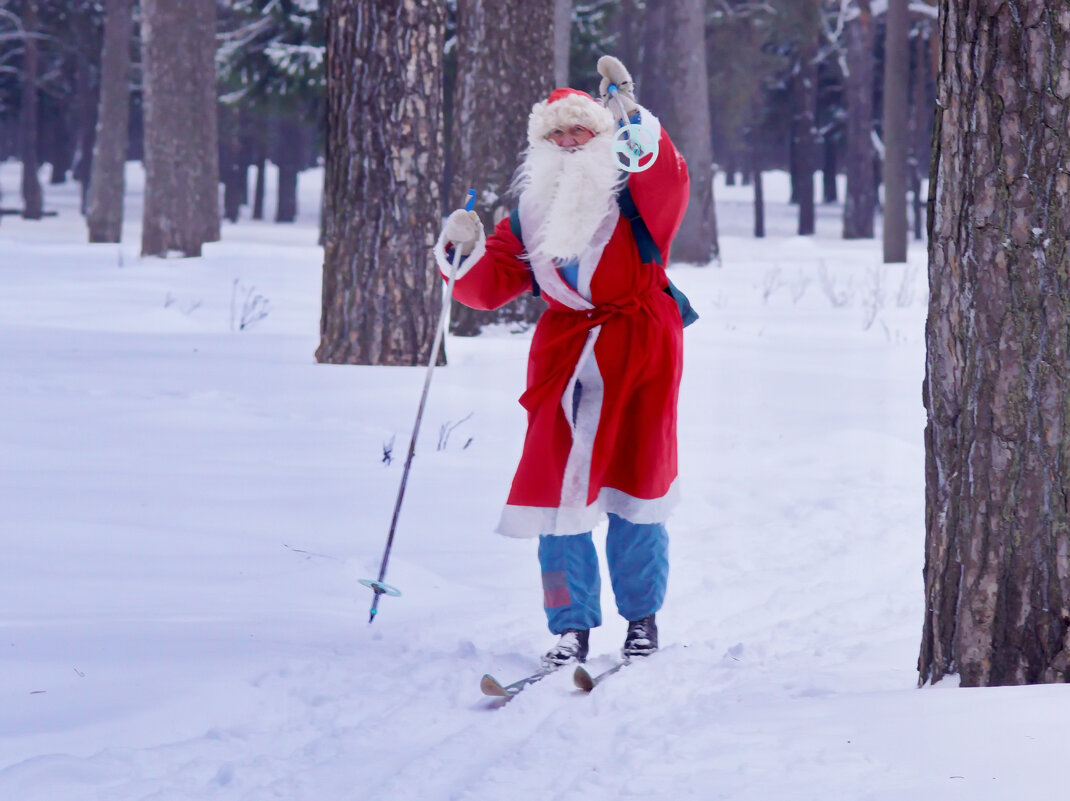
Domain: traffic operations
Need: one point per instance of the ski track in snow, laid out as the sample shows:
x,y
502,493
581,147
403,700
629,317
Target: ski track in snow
x,y
188,508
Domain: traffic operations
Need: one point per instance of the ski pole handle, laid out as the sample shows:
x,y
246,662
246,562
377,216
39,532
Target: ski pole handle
x,y
470,204
614,94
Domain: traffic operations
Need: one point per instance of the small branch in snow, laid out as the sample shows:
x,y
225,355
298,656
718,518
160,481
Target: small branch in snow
x,y
445,431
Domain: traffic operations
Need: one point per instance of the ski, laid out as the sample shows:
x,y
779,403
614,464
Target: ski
x,y
491,686
583,679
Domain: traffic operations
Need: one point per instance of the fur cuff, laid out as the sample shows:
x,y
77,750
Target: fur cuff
x,y
467,262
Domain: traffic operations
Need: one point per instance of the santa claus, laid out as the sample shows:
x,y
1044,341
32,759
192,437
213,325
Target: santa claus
x,y
606,355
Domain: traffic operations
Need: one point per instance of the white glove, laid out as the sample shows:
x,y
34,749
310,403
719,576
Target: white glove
x,y
612,71
464,229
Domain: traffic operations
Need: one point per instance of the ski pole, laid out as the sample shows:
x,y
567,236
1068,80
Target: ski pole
x,y
377,585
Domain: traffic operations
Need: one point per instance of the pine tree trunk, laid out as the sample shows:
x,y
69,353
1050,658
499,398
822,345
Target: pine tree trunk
x,y
490,127
290,158
562,40
896,130
804,101
86,104
759,206
680,60
232,171
921,114
32,199
259,189
860,201
997,392
181,152
627,23
381,289
104,212
829,193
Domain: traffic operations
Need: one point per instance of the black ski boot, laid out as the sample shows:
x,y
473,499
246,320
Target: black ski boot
x,y
571,647
642,638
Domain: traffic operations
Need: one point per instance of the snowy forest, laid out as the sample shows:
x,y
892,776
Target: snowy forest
x,y
220,311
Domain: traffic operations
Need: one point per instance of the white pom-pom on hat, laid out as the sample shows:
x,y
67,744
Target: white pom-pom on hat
x,y
565,108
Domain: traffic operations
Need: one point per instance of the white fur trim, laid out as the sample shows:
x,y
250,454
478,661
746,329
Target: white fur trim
x,y
650,123
577,479
568,111
467,262
524,522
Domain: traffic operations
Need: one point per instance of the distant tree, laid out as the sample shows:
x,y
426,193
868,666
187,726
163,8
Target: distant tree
x,y
562,40
104,214
494,37
860,202
997,477
271,68
32,200
675,61
381,290
896,129
181,156
804,134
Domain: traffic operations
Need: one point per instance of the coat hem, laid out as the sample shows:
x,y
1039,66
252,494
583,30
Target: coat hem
x,y
524,522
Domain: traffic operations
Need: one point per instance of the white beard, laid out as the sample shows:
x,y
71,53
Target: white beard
x,y
570,194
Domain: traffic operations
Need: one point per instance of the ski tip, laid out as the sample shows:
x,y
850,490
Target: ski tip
x,y
582,679
491,686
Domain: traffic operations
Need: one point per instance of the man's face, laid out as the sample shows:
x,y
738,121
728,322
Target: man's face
x,y
571,137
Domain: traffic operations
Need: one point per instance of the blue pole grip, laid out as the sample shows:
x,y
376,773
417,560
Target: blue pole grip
x,y
470,203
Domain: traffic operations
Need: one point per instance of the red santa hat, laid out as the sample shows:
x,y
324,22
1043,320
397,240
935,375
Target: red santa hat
x,y
565,108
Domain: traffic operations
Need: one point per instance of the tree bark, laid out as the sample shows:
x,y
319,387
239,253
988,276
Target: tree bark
x,y
679,56
997,389
104,213
32,200
860,202
490,128
181,140
381,289
896,129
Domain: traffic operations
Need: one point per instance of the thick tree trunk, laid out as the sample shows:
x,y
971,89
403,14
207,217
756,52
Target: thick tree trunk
x,y
181,151
490,128
997,391
381,290
627,24
896,130
804,102
562,40
259,188
860,202
680,58
104,213
32,200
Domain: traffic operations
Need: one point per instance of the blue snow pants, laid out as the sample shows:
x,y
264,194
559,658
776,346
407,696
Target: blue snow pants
x,y
638,558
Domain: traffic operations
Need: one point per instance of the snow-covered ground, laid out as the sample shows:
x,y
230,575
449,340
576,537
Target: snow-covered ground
x,y
186,508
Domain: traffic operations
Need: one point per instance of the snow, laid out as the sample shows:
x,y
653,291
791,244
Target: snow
x,y
187,508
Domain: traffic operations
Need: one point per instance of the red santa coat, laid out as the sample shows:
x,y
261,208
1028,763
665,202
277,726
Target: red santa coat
x,y
617,451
